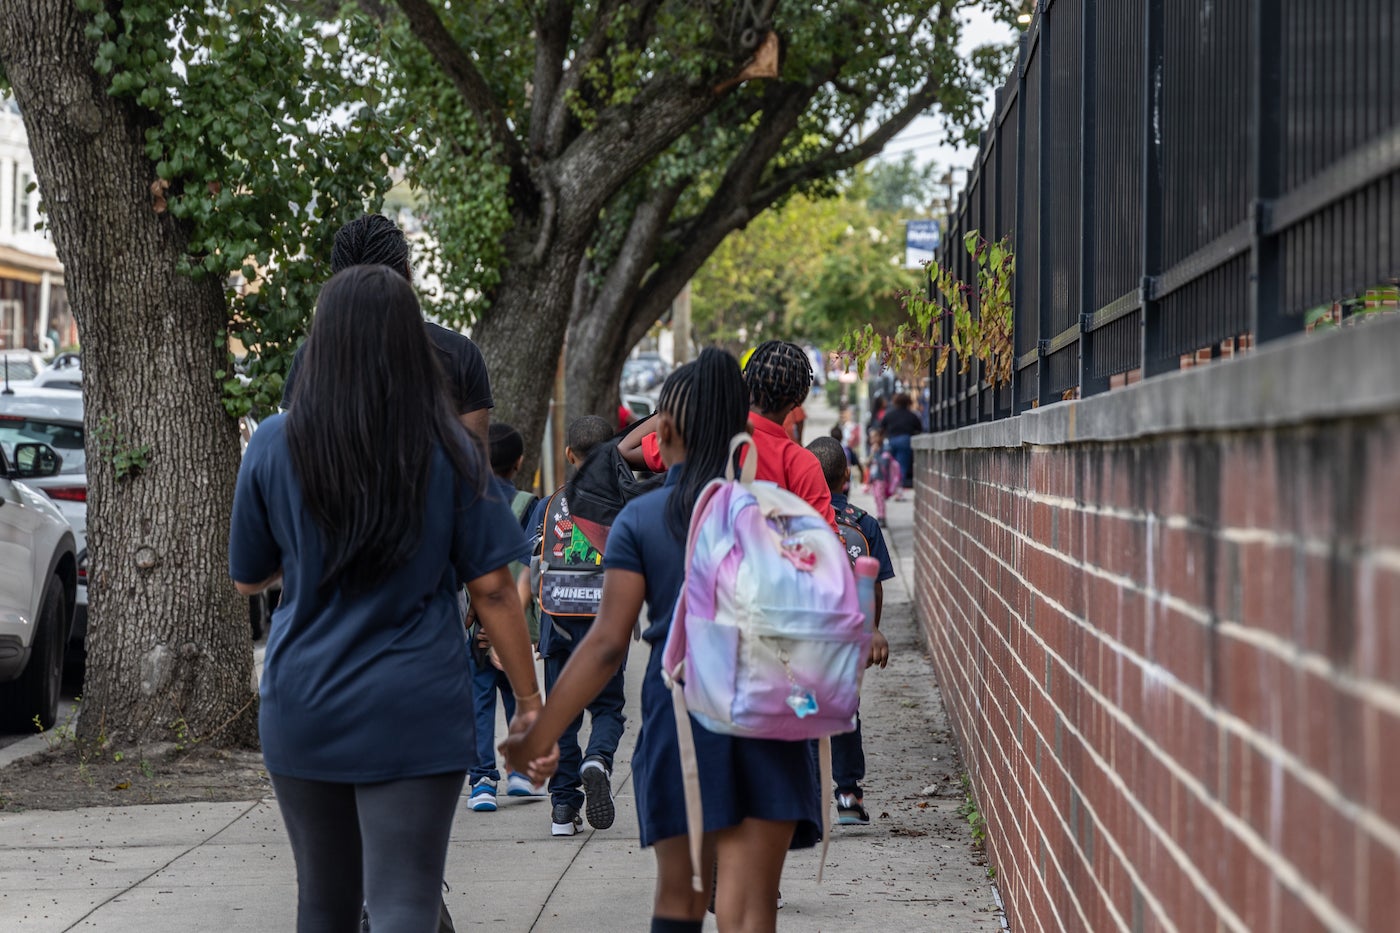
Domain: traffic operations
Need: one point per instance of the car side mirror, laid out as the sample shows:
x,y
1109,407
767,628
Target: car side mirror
x,y
33,461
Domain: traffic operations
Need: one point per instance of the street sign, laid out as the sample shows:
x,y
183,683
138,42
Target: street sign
x,y
921,241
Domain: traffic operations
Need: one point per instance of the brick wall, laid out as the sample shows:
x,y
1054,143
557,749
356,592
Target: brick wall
x,y
1173,665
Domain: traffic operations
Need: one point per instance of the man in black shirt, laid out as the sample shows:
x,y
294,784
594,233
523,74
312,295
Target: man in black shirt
x,y
374,240
900,424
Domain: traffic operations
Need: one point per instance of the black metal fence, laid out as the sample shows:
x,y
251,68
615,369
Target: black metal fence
x,y
1176,175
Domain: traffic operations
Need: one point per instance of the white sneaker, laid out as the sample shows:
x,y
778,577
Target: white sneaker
x,y
565,820
483,798
518,785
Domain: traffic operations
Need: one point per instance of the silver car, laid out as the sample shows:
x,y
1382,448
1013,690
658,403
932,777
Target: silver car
x,y
55,417
38,577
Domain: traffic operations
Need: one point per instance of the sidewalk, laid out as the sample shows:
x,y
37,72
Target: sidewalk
x,y
227,866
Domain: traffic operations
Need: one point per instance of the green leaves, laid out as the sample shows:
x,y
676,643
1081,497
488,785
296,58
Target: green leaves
x,y
252,151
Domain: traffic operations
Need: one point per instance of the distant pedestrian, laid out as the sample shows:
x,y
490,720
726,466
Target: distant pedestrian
x,y
882,476
899,425
759,797
567,578
371,504
861,534
373,239
488,679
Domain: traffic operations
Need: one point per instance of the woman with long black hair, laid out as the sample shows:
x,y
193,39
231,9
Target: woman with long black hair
x,y
760,796
369,501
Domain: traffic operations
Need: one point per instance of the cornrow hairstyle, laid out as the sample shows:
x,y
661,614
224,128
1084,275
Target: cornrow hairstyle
x,y
368,240
832,456
586,432
506,447
778,376
709,403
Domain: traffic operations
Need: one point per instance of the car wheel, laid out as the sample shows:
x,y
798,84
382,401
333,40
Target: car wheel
x,y
35,693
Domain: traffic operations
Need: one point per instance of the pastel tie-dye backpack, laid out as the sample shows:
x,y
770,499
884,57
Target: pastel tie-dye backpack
x,y
767,640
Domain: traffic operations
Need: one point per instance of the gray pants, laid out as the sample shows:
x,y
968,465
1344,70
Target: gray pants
x,y
380,845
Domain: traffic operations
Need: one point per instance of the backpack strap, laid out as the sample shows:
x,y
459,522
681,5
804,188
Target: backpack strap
x,y
749,472
673,676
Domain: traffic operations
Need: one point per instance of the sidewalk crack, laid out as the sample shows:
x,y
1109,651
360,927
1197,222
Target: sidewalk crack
x,y
567,868
252,806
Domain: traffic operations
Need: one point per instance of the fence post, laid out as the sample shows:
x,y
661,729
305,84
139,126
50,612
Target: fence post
x,y
1045,328
1267,320
1153,342
1018,291
1089,384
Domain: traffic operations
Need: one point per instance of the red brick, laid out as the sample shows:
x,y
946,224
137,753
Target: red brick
x,y
1294,916
1378,622
1382,765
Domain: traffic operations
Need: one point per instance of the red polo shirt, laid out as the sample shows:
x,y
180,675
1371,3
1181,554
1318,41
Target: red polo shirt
x,y
781,460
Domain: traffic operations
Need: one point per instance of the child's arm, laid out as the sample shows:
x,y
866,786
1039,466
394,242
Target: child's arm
x,y
631,444
879,644
595,660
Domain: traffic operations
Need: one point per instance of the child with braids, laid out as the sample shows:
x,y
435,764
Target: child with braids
x,y
778,377
760,796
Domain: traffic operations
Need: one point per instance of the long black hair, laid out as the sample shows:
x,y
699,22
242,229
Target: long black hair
x,y
709,404
778,375
367,413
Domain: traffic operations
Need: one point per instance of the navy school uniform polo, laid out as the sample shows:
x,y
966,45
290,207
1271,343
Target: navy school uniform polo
x,y
370,686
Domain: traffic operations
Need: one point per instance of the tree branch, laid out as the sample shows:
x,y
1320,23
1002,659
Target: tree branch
x,y
559,117
551,45
466,78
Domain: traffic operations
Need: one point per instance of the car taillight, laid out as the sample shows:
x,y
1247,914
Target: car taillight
x,y
68,493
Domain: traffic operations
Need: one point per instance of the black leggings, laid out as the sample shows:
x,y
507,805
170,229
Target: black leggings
x,y
383,845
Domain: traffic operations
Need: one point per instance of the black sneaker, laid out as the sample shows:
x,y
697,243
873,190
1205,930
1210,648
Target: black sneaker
x,y
566,820
850,811
597,791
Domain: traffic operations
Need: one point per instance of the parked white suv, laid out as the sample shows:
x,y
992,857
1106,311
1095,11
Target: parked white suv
x,y
38,577
55,417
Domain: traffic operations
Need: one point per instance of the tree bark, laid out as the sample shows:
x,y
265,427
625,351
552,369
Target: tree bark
x,y
169,656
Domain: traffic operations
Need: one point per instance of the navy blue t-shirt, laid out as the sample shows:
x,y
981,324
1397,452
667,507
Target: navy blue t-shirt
x,y
372,686
870,527
641,541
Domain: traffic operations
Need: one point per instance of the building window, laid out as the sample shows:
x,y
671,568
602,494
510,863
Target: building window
x,y
24,220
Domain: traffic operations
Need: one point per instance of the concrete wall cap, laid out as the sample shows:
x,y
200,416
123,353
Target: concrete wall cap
x,y
1351,372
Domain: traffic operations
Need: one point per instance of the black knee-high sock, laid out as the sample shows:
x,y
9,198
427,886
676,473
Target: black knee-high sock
x,y
667,925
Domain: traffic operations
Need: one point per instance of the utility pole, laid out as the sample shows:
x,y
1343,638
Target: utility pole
x,y
680,326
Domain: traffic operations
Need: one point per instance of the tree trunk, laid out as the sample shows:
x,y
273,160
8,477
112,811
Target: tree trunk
x,y
521,335
169,656
593,373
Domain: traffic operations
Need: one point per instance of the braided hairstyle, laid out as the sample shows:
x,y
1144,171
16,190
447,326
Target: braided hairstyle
x,y
778,376
709,403
369,240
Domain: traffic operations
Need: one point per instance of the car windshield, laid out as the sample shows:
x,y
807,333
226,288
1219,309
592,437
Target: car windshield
x,y
65,439
18,370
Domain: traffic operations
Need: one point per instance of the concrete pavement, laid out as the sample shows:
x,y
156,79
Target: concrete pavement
x,y
228,867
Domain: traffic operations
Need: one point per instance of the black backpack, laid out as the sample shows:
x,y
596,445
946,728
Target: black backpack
x,y
602,485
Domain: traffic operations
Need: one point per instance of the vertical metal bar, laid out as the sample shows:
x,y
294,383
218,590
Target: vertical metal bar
x,y
1018,295
1153,354
1046,321
1089,384
1000,228
1267,317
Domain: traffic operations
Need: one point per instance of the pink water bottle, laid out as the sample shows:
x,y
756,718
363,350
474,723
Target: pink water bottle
x,y
867,569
